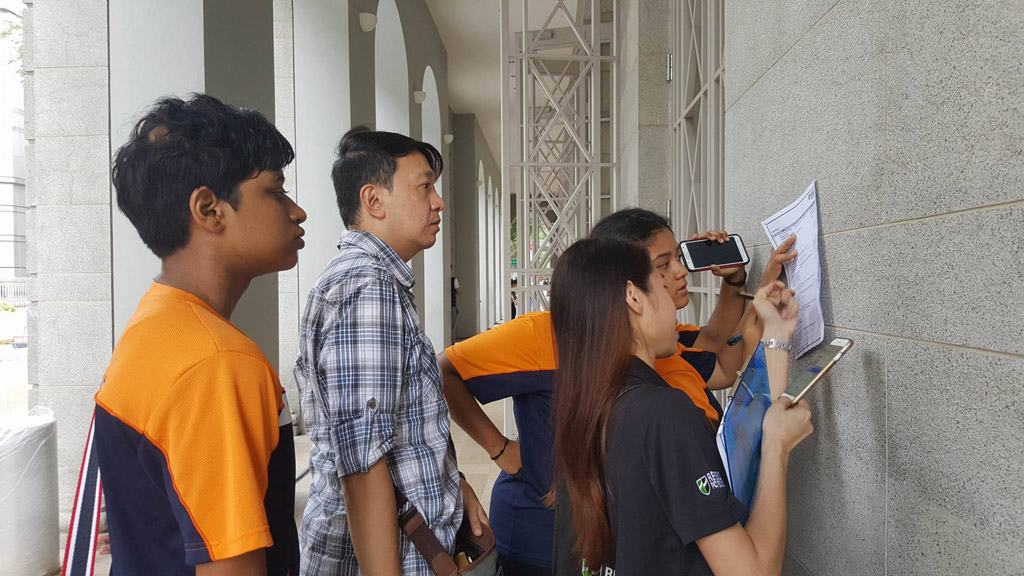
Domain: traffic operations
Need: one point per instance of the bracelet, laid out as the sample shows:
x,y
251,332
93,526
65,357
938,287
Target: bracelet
x,y
498,455
739,284
777,344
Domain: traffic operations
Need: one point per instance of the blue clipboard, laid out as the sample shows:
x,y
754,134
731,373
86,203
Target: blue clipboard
x,y
739,436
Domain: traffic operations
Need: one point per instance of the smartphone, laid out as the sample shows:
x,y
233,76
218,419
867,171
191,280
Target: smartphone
x,y
822,361
701,254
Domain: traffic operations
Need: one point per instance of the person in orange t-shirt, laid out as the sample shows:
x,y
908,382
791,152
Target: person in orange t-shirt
x,y
192,429
517,360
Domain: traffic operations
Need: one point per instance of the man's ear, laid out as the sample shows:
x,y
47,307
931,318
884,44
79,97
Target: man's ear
x,y
207,209
370,198
633,300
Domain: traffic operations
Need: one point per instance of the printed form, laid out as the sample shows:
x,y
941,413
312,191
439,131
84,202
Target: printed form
x,y
804,273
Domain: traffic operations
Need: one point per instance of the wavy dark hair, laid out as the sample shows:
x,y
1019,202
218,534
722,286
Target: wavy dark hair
x,y
594,347
181,145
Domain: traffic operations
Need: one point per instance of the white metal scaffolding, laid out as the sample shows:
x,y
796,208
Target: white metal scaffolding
x,y
558,154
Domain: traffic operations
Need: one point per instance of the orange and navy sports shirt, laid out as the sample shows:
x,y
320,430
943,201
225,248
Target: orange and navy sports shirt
x,y
517,360
689,370
194,440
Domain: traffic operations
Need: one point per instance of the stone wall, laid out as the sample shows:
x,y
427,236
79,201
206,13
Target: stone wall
x,y
908,114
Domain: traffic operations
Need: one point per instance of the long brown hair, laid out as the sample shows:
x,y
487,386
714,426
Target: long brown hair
x,y
594,346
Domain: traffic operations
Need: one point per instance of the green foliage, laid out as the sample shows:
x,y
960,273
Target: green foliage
x,y
12,31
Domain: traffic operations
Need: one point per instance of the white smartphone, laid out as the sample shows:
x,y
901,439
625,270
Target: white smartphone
x,y
822,361
702,254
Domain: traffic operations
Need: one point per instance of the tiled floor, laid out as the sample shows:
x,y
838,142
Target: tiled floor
x,y
473,462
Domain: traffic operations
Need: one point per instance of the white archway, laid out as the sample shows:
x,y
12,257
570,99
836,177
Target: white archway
x,y
491,276
391,70
434,272
499,265
481,235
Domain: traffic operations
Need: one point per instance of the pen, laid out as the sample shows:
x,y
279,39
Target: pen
x,y
737,338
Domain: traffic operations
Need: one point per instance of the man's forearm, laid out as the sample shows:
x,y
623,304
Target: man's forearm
x,y
465,410
373,520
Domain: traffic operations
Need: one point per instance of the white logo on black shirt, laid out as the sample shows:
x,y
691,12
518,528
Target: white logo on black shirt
x,y
709,482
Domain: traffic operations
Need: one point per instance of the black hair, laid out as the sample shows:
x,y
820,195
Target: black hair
x,y
181,145
632,224
369,157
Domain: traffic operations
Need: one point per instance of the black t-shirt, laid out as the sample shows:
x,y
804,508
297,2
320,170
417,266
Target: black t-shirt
x,y
666,486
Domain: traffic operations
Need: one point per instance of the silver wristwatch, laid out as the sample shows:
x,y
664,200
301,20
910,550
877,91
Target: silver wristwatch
x,y
776,343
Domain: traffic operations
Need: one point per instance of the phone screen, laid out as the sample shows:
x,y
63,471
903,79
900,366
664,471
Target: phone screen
x,y
821,361
704,253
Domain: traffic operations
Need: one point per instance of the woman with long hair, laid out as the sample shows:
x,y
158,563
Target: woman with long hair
x,y
517,360
638,458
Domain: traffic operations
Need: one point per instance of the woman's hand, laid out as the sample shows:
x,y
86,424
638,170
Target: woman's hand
x,y
778,309
733,274
786,425
779,256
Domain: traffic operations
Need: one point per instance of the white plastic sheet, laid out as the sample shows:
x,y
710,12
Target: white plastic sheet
x,y
28,494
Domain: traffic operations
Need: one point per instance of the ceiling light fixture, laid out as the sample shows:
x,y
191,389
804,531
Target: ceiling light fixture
x,y
367,21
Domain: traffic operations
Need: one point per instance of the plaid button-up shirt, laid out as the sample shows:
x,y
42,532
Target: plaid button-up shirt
x,y
371,389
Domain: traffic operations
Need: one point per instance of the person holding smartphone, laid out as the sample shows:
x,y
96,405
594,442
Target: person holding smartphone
x,y
517,360
639,460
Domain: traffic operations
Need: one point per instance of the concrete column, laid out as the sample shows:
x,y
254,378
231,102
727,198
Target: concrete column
x,y
67,124
466,244
645,131
239,64
289,298
223,48
140,72
321,82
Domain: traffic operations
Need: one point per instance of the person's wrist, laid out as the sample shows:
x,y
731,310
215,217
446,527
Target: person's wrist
x,y
773,451
496,455
737,279
493,445
776,332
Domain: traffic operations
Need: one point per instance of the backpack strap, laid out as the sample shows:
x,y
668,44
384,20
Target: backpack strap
x,y
83,531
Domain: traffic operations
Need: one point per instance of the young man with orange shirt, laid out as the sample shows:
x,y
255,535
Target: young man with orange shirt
x,y
192,429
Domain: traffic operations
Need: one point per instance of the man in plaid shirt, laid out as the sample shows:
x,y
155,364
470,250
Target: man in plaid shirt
x,y
370,386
